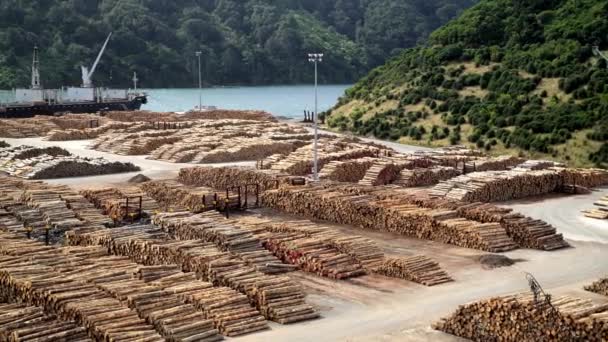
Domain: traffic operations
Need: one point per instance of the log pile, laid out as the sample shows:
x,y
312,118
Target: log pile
x,y
313,255
365,251
601,210
40,125
225,234
419,269
521,318
494,186
174,195
4,144
350,171
425,176
391,215
277,298
19,322
382,172
113,201
35,163
492,163
217,114
599,287
223,178
525,231
103,316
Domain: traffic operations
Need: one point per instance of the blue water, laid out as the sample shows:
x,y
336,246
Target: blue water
x,y
288,101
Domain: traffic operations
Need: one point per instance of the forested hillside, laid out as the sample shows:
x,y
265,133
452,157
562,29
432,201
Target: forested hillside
x,y
507,75
243,41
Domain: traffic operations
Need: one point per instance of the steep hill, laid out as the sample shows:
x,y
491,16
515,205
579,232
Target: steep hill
x,y
243,41
507,75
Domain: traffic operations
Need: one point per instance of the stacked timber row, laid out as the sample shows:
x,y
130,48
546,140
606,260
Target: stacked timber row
x,y
601,210
227,236
419,269
174,195
425,176
365,251
391,215
382,172
177,305
300,162
36,163
113,201
350,171
278,298
33,208
20,322
26,280
492,164
525,231
227,177
493,186
521,318
40,125
600,287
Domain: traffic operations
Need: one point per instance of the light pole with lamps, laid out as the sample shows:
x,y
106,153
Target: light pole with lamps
x,y
315,58
200,83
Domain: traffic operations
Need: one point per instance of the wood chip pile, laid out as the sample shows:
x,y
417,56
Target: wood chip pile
x,y
425,176
599,287
525,231
20,322
520,318
227,177
113,201
601,210
419,269
391,215
46,163
278,298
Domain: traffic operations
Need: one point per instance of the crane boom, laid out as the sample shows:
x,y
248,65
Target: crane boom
x,y
598,52
86,74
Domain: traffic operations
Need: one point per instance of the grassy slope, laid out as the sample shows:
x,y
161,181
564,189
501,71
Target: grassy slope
x,y
551,46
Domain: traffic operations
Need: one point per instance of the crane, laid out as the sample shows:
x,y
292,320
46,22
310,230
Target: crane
x,y
86,74
598,52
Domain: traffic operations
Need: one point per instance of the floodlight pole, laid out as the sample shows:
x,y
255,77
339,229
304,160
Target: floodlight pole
x,y
315,58
200,83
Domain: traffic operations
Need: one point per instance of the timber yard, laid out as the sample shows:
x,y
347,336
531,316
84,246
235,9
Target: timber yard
x,y
203,226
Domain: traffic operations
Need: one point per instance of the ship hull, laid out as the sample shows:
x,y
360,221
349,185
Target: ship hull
x,y
19,111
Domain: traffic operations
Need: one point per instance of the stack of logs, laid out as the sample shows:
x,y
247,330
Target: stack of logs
x,y
113,201
19,322
493,186
391,215
425,176
419,269
346,170
601,212
600,287
525,231
521,318
226,177
278,298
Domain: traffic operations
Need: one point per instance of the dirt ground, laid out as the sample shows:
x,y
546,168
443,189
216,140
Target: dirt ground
x,y
376,308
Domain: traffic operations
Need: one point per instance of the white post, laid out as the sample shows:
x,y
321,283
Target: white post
x,y
200,83
316,161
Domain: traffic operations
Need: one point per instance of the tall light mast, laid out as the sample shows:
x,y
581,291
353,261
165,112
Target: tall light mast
x,y
35,70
